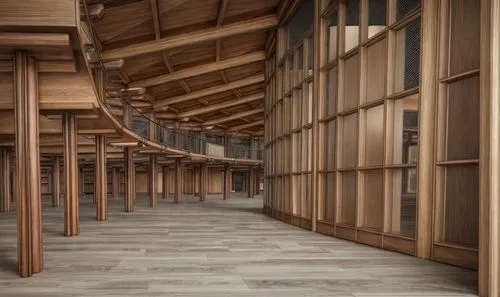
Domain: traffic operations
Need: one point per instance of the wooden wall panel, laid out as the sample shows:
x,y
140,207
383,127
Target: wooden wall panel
x,y
374,144
349,144
462,205
464,37
141,182
6,90
463,120
373,202
38,13
348,199
188,181
215,181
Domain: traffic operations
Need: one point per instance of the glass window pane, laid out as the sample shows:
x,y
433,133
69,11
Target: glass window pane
x,y
407,72
350,141
403,202
310,56
376,16
376,71
404,7
351,82
300,22
332,33
351,25
331,100
330,135
300,65
405,123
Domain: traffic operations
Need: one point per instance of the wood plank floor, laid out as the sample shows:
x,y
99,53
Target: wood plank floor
x,y
216,248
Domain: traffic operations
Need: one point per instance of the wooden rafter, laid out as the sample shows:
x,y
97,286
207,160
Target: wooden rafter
x,y
246,126
200,36
225,104
199,70
210,91
233,117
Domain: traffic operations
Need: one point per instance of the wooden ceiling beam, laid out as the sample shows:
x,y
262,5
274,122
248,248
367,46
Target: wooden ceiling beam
x,y
210,91
246,126
43,66
200,36
199,70
225,104
233,117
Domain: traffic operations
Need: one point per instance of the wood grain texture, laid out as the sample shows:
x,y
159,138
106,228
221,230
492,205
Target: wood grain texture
x,y
37,13
71,212
5,181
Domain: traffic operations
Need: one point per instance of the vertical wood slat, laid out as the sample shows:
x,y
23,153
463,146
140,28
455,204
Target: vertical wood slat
x,y
115,177
428,97
101,179
56,182
71,208
165,181
5,193
129,179
178,186
29,216
251,182
489,164
227,182
153,180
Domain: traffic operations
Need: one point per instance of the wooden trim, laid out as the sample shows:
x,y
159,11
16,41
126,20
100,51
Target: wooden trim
x,y
399,244
455,255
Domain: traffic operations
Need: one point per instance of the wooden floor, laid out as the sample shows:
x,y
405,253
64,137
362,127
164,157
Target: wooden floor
x,y
217,248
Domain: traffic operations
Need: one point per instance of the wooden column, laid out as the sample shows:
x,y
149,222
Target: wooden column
x,y
71,207
203,181
428,97
165,181
178,187
29,214
81,184
257,181
227,182
56,182
153,180
115,176
101,179
251,183
129,179
489,159
5,199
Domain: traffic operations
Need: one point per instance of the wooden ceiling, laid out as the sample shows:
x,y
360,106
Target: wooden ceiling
x,y
201,61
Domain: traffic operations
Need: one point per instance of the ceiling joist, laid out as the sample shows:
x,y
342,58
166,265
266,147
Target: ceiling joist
x,y
233,117
210,91
204,35
246,126
225,104
200,70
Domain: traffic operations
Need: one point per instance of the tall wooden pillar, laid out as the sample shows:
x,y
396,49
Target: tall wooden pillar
x,y
251,182
489,156
29,214
178,187
129,179
257,181
115,176
71,207
153,180
81,184
203,181
5,199
56,182
101,179
227,181
165,181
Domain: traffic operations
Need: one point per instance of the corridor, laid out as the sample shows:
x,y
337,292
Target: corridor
x,y
213,248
